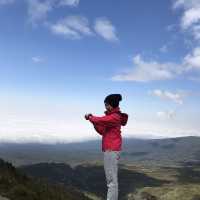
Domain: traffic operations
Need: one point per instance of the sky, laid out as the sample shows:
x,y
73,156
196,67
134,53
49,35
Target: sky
x,y
59,59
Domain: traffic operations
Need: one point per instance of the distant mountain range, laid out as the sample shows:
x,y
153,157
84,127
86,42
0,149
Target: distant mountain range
x,y
153,169
170,151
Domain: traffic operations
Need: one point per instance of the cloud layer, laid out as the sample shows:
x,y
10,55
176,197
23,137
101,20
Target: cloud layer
x,y
144,71
152,70
190,19
71,26
176,97
166,114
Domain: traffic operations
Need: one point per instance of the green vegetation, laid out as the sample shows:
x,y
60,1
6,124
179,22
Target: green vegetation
x,y
162,169
136,182
91,178
184,184
17,186
156,152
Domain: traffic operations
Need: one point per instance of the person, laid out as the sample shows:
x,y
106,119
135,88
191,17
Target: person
x,y
109,127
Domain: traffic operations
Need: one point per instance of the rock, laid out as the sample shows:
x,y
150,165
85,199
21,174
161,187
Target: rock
x,y
3,198
147,196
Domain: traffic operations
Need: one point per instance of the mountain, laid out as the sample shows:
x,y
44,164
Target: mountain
x,y
89,178
15,185
153,169
164,152
136,182
158,152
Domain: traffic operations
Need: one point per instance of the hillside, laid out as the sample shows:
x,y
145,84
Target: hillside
x,y
89,178
157,169
15,185
136,182
163,152
158,152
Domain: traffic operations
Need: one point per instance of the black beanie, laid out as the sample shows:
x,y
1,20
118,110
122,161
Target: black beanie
x,y
113,100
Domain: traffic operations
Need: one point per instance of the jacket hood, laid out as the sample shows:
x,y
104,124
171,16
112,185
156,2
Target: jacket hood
x,y
124,119
124,116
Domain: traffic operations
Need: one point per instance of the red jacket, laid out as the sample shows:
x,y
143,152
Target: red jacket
x,y
109,126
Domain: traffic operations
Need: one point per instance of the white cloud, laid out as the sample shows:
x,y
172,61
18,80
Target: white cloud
x,y
163,129
42,121
73,27
191,16
149,71
176,97
5,2
69,2
37,10
186,4
23,119
190,22
170,114
105,29
37,59
65,31
144,71
193,60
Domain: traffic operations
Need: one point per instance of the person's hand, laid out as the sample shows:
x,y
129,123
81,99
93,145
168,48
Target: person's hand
x,y
87,116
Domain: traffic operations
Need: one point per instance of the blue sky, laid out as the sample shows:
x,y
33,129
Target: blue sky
x,y
60,58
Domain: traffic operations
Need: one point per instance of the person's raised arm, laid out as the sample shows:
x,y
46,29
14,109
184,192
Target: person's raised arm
x,y
107,120
99,128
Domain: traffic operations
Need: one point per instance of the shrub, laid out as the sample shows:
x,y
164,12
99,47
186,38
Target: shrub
x,y
22,193
196,197
147,196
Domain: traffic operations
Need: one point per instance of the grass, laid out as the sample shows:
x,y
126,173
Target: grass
x,y
183,185
173,192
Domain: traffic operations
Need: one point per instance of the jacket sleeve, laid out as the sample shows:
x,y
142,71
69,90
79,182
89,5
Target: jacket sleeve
x,y
107,120
99,128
